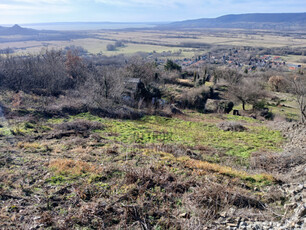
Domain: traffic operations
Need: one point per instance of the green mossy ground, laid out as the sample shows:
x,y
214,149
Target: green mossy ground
x,y
156,165
155,129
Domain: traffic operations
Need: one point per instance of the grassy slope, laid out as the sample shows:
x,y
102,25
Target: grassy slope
x,y
162,167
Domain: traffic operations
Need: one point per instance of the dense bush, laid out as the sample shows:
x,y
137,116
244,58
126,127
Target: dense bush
x,y
111,47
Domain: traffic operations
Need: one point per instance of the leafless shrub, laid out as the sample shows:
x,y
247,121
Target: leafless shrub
x,y
46,72
170,77
247,90
195,98
278,83
103,85
231,76
298,88
141,69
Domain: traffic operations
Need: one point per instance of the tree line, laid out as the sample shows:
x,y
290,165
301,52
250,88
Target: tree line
x,y
103,80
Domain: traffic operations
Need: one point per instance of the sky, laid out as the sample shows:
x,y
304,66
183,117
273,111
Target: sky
x,y
40,11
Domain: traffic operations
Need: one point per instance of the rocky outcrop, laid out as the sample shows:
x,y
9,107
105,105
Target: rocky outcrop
x,y
290,166
231,126
218,106
296,135
294,217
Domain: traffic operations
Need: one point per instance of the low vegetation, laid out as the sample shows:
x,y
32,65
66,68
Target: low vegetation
x,y
130,143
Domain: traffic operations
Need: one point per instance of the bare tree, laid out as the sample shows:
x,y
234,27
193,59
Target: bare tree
x,y
53,73
277,83
104,84
298,83
247,91
139,68
74,65
45,72
231,76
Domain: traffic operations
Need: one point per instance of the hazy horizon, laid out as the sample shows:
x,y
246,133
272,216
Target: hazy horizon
x,y
66,26
134,11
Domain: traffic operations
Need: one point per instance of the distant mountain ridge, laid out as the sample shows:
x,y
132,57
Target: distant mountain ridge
x,y
17,33
17,30
270,21
245,21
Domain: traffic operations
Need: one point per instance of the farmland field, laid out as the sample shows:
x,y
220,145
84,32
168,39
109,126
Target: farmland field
x,y
188,43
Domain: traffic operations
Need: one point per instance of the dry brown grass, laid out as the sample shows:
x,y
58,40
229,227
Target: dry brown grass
x,y
31,146
72,167
28,145
202,167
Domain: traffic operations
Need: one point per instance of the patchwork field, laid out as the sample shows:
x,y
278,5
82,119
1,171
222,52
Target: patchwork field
x,y
164,41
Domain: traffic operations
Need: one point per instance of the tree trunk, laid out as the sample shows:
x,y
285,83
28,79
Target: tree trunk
x,y
243,105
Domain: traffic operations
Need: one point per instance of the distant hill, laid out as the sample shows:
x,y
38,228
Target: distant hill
x,y
17,30
74,26
17,33
277,21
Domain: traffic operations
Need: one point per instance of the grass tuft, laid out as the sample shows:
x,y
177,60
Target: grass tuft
x,y
72,167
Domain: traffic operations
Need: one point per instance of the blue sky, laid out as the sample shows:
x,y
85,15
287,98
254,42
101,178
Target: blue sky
x,y
31,11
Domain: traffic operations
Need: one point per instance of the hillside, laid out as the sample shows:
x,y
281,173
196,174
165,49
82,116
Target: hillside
x,y
277,21
17,33
17,30
141,146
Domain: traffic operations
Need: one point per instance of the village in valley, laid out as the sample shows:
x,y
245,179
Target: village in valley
x,y
237,58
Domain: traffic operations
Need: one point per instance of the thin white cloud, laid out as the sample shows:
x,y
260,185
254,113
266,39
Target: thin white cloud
x,y
150,3
136,10
40,1
196,3
9,10
34,6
